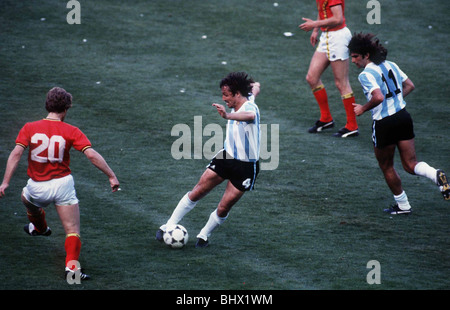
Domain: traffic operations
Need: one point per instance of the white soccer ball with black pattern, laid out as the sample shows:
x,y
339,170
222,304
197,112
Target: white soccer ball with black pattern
x,y
176,236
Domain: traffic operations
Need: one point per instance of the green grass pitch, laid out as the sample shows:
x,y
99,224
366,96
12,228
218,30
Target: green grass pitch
x,y
138,68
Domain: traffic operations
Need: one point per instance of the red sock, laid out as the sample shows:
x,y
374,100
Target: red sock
x,y
348,101
322,99
38,220
73,249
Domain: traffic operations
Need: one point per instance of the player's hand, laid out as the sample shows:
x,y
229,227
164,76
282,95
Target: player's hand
x,y
358,109
114,184
221,110
256,87
308,25
3,187
313,39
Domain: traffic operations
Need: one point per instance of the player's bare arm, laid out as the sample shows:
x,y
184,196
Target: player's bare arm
x,y
408,87
256,88
11,166
333,21
237,116
377,98
97,160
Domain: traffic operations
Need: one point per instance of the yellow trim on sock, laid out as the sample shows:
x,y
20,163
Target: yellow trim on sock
x,y
73,235
318,88
347,96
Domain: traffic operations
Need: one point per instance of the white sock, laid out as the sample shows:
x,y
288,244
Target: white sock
x,y
402,201
213,222
184,206
423,169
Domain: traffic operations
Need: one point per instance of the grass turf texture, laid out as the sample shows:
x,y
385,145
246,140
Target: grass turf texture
x,y
313,223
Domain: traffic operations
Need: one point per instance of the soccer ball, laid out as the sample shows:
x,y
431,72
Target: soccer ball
x,y
176,236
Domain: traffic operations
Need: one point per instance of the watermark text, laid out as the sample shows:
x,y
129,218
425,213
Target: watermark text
x,y
74,277
74,16
374,275
374,15
190,142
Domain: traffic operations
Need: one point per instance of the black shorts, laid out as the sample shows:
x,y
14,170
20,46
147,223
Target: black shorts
x,y
392,129
242,174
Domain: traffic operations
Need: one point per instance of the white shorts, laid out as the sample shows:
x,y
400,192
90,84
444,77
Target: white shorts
x,y
60,191
334,44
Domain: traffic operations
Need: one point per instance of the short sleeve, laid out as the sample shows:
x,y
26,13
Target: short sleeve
x,y
80,141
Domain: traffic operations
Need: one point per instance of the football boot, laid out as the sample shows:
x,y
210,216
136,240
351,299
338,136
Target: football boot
x,y
31,230
394,209
443,184
320,126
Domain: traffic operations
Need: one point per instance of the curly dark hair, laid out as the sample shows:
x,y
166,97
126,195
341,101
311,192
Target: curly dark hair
x,y
238,82
364,44
58,100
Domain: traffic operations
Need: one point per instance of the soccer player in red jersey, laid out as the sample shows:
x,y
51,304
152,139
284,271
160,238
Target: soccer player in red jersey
x,y
331,50
49,142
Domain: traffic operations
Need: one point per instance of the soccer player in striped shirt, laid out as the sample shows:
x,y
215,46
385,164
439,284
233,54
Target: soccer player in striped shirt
x,y
385,85
49,141
238,162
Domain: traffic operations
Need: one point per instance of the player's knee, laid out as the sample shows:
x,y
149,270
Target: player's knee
x,y
340,85
311,80
222,212
409,167
30,207
386,166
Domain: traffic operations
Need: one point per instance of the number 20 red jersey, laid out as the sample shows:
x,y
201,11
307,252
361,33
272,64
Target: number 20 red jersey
x,y
50,142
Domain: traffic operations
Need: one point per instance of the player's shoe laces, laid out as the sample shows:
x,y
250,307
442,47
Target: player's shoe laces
x,y
320,126
76,274
201,243
443,184
394,209
344,133
31,230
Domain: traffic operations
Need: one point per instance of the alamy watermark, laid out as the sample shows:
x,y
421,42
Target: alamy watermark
x,y
182,147
74,15
74,277
374,15
374,275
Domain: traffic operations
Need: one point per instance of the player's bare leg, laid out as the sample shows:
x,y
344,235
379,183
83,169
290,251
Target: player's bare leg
x,y
412,166
408,155
340,72
229,199
319,63
219,215
70,219
385,157
207,182
36,215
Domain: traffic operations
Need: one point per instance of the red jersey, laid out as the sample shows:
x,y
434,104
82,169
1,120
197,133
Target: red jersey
x,y
50,142
324,7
